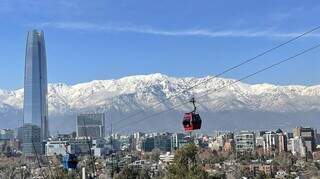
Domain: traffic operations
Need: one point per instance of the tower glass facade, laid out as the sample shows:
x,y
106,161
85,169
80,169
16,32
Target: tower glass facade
x,y
35,89
31,140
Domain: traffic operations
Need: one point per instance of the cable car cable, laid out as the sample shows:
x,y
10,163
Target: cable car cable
x,y
262,70
49,165
226,71
37,158
234,82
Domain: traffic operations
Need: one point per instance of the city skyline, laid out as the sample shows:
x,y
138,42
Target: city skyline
x,y
159,89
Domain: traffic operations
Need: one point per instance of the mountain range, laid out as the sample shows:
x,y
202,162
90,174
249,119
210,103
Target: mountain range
x,y
134,98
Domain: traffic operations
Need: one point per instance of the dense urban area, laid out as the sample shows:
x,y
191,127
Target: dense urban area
x,y
89,153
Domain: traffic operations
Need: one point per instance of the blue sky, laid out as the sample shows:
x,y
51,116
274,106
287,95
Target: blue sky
x,y
104,39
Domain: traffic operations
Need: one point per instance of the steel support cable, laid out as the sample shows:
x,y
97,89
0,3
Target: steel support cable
x,y
224,72
37,158
223,87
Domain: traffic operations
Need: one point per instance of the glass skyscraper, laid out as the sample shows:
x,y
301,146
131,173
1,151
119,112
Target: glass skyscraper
x,y
35,114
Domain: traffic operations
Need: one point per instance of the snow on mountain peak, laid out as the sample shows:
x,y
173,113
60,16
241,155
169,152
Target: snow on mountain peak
x,y
142,91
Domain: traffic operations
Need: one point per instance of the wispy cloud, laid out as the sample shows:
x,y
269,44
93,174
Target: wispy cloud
x,y
82,26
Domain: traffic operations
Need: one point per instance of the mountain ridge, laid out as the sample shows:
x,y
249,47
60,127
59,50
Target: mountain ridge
x,y
149,93
157,85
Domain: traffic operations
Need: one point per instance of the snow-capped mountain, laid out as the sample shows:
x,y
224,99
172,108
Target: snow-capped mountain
x,y
150,93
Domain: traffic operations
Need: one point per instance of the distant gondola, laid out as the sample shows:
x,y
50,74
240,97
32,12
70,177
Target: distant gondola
x,y
192,120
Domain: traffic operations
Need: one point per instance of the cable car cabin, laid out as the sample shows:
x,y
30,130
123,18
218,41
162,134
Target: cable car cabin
x,y
70,161
191,121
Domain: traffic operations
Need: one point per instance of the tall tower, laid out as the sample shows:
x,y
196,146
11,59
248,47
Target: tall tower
x,y
35,108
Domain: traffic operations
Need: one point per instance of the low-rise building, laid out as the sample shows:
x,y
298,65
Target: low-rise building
x,y
256,169
298,147
100,147
7,134
166,158
73,146
281,174
245,141
57,148
218,143
229,146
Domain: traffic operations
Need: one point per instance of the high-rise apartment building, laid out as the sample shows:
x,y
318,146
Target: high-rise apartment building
x,y
271,142
147,144
163,142
35,108
91,125
178,140
298,146
308,135
283,141
245,141
275,142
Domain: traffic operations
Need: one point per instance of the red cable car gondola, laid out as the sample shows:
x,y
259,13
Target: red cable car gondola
x,y
192,120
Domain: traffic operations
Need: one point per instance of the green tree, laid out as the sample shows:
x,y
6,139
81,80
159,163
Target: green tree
x,y
126,173
283,161
143,174
129,173
185,164
261,175
155,155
